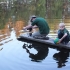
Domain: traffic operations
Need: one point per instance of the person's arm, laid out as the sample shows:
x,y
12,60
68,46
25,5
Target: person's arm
x,y
32,25
63,37
35,26
27,27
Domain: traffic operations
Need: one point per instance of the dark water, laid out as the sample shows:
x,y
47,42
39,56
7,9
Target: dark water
x,y
19,55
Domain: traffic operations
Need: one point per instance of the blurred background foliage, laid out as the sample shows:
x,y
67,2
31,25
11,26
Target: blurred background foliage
x,y
16,10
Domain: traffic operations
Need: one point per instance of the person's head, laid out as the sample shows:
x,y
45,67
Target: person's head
x,y
33,18
61,26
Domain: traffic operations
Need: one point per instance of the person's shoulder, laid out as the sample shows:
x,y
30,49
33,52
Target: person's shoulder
x,y
65,29
59,30
40,18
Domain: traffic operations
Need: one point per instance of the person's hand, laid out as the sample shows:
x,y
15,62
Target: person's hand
x,y
24,28
59,41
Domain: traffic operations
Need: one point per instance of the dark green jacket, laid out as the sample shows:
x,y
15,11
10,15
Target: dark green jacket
x,y
42,25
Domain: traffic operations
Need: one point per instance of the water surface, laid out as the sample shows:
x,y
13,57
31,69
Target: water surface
x,y
19,55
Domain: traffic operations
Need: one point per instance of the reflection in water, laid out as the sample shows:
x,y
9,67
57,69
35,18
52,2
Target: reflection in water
x,y
8,38
42,51
1,48
61,58
5,32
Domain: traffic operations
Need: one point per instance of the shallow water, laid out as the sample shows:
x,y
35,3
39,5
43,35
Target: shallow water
x,y
15,55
